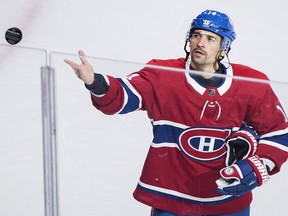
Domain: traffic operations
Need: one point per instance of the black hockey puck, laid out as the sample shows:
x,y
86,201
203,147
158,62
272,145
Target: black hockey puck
x,y
13,35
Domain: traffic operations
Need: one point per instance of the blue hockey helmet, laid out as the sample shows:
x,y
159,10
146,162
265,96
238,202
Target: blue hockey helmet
x,y
216,22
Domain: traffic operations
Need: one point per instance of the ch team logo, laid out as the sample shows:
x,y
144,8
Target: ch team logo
x,y
204,144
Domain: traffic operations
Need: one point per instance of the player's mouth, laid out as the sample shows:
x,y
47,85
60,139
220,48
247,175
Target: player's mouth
x,y
199,52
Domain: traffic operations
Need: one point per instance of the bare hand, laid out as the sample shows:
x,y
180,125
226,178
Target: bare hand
x,y
84,71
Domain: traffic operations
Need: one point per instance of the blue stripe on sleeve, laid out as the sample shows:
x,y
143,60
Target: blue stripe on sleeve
x,y
132,101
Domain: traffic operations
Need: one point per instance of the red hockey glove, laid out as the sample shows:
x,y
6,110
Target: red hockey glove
x,y
241,145
242,177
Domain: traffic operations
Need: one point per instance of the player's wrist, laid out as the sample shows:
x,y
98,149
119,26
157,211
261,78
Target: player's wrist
x,y
242,177
99,86
259,169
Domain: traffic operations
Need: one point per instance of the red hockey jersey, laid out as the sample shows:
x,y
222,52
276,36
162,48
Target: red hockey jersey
x,y
190,125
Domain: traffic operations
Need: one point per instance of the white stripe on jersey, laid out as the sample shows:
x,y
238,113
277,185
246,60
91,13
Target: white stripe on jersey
x,y
124,102
275,133
221,89
182,195
174,124
165,144
273,144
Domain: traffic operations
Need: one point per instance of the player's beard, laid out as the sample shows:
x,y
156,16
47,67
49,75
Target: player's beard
x,y
199,60
199,57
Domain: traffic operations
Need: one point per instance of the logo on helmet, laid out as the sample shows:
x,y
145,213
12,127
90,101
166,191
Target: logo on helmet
x,y
207,22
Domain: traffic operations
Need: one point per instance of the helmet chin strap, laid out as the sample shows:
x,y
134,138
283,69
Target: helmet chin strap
x,y
221,57
187,53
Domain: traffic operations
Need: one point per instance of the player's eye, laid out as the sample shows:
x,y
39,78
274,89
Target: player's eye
x,y
211,38
195,35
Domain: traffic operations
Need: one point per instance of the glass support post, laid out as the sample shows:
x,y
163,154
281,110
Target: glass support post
x,y
49,141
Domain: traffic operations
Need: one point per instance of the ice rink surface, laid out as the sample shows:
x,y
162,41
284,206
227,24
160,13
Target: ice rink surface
x,y
100,157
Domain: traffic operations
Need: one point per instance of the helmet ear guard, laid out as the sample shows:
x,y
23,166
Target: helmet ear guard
x,y
226,44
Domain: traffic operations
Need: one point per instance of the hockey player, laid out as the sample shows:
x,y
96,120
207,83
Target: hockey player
x,y
202,161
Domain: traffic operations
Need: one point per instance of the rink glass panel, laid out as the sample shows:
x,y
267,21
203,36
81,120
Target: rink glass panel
x,y
101,157
21,149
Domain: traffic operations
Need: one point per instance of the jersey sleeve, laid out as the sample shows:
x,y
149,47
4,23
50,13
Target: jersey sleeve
x,y
126,94
137,90
270,121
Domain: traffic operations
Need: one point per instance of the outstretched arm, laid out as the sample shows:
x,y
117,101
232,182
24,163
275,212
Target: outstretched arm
x,y
84,71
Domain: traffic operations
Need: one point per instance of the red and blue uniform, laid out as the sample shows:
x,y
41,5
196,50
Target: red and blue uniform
x,y
190,123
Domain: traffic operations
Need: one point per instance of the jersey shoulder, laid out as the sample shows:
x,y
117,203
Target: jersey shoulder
x,y
159,70
176,63
246,71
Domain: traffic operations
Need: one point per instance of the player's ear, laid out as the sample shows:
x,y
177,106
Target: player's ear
x,y
223,54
